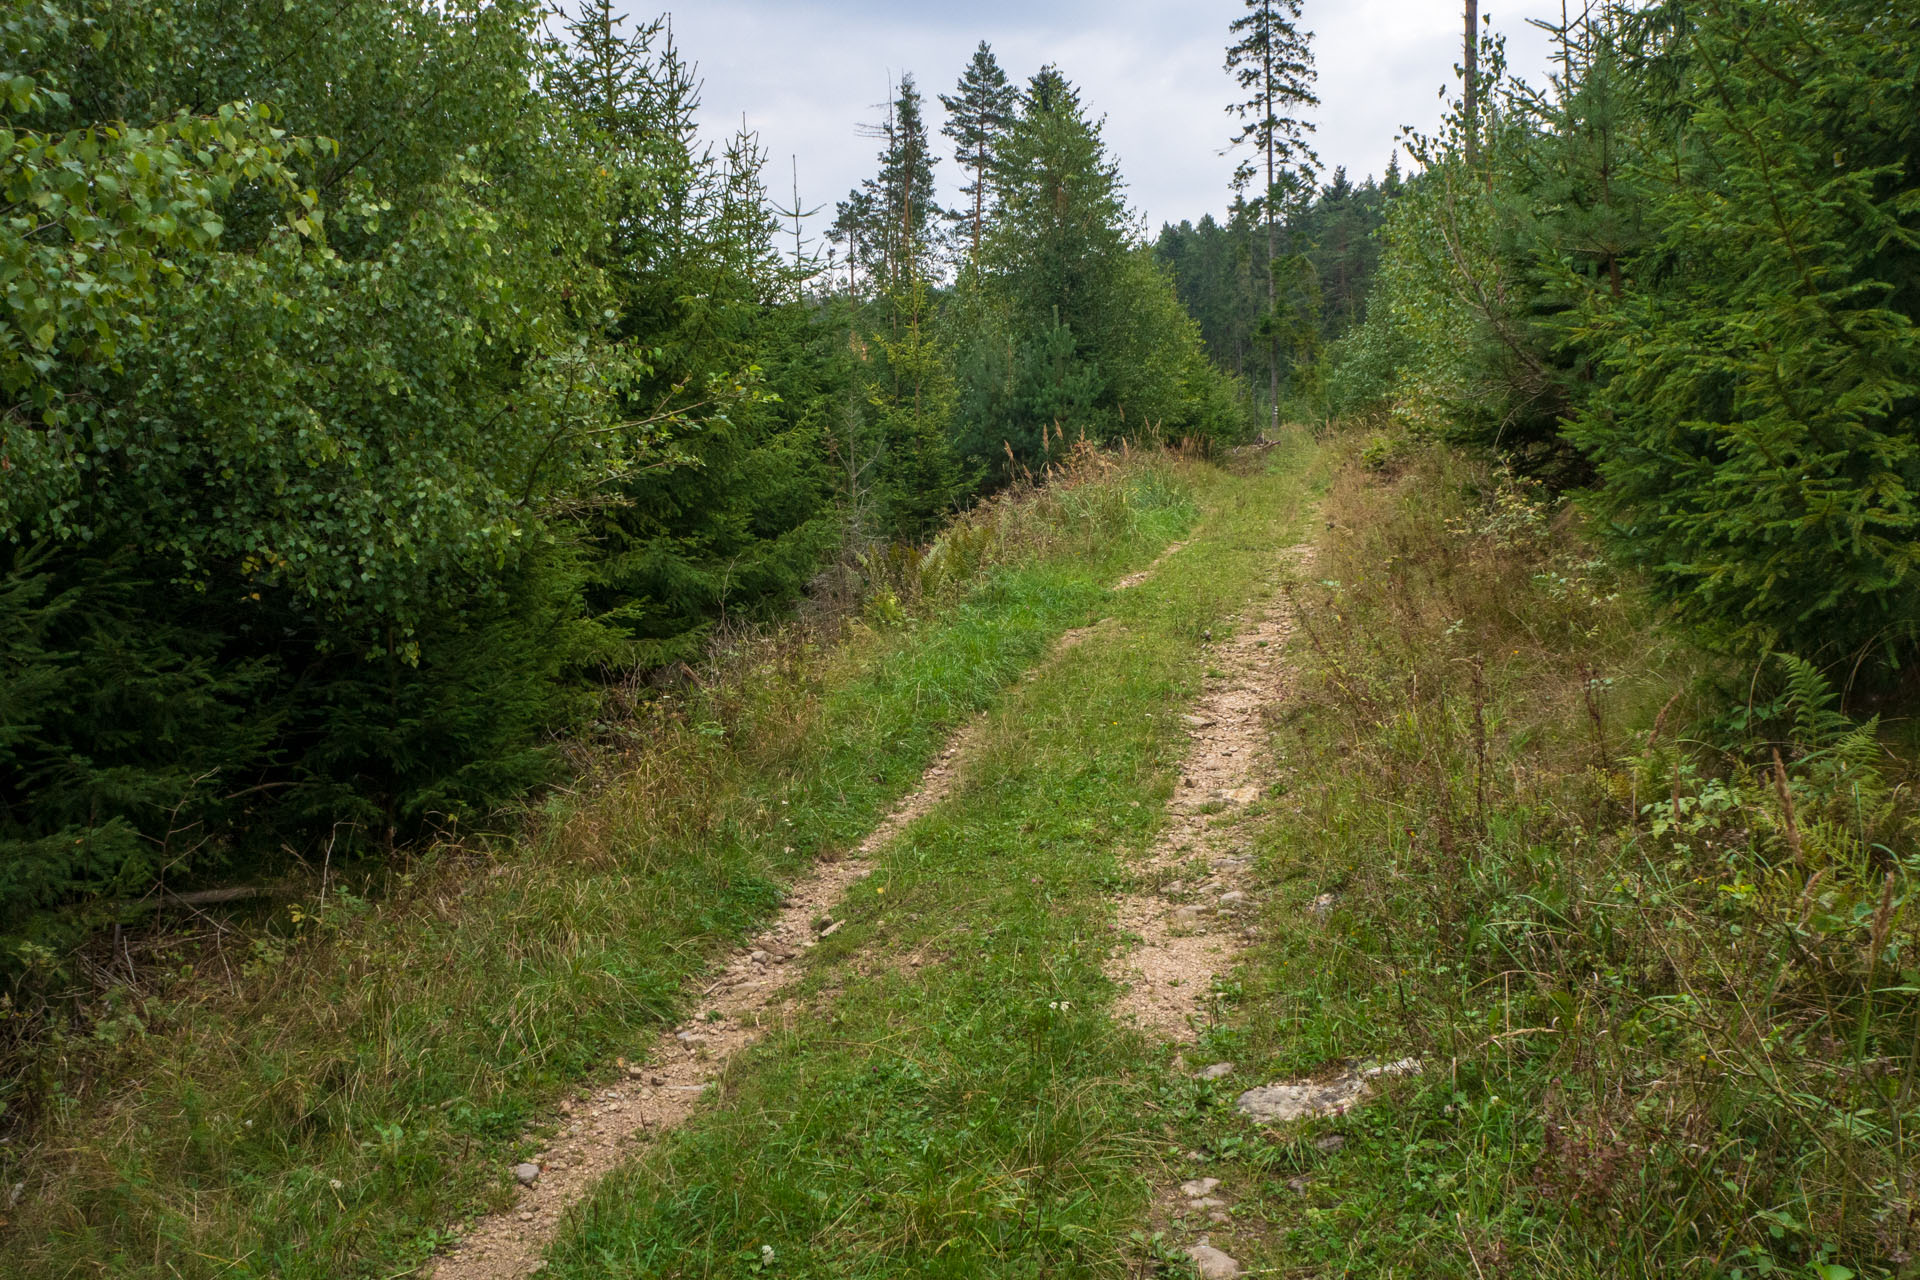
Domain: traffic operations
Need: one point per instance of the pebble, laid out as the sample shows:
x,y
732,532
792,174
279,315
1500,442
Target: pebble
x,y
526,1217
1331,1143
1196,1187
1206,1202
759,957
1218,1071
1212,1264
526,1174
832,929
1232,897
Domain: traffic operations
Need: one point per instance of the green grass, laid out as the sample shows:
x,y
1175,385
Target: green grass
x,y
318,1095
982,1113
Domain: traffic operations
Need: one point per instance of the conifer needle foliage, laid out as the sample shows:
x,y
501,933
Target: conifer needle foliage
x,y
1682,277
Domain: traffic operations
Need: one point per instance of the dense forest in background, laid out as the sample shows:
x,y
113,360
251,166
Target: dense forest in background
x,y
382,379
1329,255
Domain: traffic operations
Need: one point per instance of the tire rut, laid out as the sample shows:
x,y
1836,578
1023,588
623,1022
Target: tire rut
x,y
1182,927
744,1002
1186,924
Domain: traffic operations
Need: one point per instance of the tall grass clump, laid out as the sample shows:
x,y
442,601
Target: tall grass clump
x,y
1647,919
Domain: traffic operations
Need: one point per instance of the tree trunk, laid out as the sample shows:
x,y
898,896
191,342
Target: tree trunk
x,y
979,201
1470,65
1273,252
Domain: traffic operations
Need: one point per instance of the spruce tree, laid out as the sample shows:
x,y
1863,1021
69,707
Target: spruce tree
x,y
977,118
1070,326
1272,61
892,212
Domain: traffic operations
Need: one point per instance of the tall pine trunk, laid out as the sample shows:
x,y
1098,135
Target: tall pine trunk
x,y
979,201
1273,257
1470,67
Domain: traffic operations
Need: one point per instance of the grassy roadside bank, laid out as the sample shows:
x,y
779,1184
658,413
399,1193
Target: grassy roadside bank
x,y
1665,983
957,1099
313,1095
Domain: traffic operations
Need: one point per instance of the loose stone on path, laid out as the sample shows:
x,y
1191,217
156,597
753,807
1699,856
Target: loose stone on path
x,y
1212,1264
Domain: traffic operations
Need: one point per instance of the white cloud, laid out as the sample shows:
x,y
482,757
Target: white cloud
x,y
804,74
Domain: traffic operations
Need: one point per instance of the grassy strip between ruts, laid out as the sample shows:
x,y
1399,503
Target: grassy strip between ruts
x,y
366,1073
959,1100
1664,995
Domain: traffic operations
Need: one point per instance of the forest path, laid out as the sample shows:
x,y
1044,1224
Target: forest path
x,y
959,1046
745,1001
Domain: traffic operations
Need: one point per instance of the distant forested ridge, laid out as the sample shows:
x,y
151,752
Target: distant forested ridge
x,y
379,378
1330,254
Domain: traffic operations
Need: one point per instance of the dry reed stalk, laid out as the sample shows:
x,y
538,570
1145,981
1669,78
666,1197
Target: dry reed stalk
x,y
1786,807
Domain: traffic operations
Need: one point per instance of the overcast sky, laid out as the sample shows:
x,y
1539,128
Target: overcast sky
x,y
804,74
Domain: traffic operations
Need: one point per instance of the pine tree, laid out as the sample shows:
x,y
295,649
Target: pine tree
x,y
1273,61
1069,325
977,118
1063,224
856,225
1049,91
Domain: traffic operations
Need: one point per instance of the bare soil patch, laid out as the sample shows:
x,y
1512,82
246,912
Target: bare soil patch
x,y
1185,924
1133,580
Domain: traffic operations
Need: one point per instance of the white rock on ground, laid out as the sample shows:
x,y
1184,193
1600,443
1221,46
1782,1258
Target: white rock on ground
x,y
1285,1103
1304,1100
1199,1187
1218,1071
1404,1067
1212,1264
526,1174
